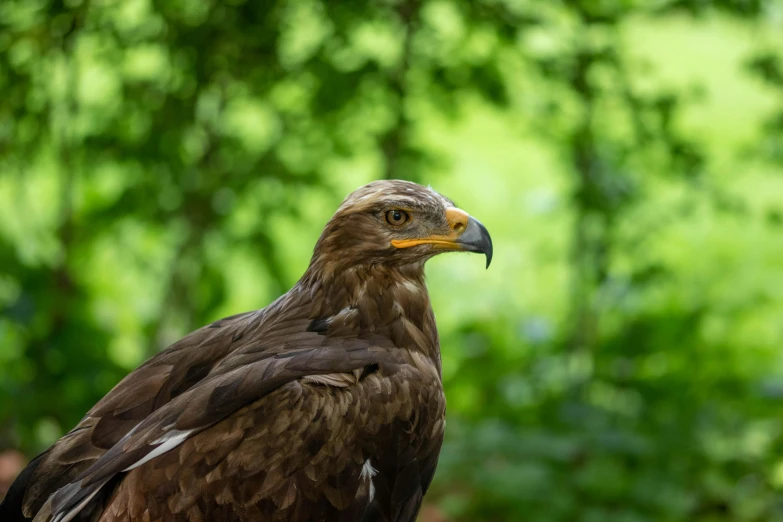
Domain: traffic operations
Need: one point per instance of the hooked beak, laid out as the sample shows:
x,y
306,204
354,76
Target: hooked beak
x,y
476,238
467,234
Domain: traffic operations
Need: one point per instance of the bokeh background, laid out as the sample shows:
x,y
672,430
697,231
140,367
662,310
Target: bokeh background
x,y
166,163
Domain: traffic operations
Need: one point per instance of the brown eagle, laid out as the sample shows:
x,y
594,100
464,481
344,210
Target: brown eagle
x,y
327,405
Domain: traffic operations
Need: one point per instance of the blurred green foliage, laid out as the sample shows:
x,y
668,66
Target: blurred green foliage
x,y
163,164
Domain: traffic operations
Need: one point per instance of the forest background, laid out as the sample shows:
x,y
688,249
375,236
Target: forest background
x,y
166,163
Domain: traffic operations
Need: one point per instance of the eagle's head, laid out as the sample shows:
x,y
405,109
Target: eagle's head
x,y
394,222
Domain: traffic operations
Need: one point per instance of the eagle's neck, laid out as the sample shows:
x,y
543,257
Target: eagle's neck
x,y
383,301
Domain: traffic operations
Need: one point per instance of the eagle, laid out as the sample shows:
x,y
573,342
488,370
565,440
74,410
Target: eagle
x,y
327,405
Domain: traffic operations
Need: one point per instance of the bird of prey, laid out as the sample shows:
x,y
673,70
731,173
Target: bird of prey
x,y
327,405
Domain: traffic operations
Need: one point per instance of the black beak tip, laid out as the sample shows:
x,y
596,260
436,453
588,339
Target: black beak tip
x,y
476,238
488,248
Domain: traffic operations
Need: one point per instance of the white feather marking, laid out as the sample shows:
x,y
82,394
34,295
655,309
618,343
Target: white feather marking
x,y
410,286
368,472
167,442
339,380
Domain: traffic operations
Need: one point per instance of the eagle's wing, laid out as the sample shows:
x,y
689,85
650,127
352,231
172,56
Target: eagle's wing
x,y
200,407
159,380
350,446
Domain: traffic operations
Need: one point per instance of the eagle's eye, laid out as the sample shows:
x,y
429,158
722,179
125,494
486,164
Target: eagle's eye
x,y
397,217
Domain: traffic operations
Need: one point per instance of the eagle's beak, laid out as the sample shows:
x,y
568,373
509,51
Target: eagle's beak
x,y
467,233
475,238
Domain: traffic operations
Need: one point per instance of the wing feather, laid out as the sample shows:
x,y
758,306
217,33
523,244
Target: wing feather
x,y
203,405
163,377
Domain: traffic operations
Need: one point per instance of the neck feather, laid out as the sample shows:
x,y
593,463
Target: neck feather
x,y
387,303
